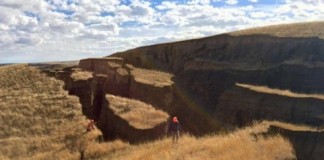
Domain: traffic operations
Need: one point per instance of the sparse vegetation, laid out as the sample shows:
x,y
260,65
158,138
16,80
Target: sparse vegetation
x,y
38,118
264,89
155,78
241,144
309,29
81,75
138,114
292,127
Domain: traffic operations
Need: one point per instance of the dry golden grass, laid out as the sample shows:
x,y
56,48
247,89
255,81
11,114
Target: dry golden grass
x,y
38,119
264,89
81,75
309,29
155,78
100,150
242,144
292,127
138,114
115,64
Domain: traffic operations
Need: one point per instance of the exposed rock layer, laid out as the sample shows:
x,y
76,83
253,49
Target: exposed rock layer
x,y
240,106
117,127
206,71
114,76
158,89
307,144
205,68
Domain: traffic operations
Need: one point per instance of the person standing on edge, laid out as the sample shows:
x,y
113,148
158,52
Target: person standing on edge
x,y
174,129
91,125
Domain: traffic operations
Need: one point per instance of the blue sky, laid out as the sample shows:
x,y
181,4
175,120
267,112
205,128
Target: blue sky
x,y
57,30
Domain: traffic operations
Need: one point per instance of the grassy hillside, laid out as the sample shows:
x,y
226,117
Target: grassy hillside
x,y
152,77
310,29
138,114
244,144
38,119
265,89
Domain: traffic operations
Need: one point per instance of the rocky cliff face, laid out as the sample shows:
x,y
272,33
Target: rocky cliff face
x,y
113,76
284,57
205,68
113,72
131,120
201,84
307,144
248,52
82,87
39,119
153,87
240,106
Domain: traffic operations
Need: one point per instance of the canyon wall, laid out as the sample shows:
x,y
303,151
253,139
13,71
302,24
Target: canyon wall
x,y
152,87
250,52
307,144
115,126
205,68
240,106
113,76
200,86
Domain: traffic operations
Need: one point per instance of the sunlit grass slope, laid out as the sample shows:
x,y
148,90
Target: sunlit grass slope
x,y
244,144
292,127
138,114
152,77
38,119
309,29
265,89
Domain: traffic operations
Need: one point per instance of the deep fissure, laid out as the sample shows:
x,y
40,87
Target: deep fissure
x,y
97,103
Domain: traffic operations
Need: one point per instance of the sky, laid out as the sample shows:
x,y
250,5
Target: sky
x,y
60,30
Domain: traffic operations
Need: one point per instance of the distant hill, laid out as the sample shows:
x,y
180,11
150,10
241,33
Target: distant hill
x,y
303,30
5,64
54,65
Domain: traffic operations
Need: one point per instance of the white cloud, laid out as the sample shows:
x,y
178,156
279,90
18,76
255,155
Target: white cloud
x,y
20,4
202,2
253,1
37,30
231,2
167,5
260,14
305,1
141,8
